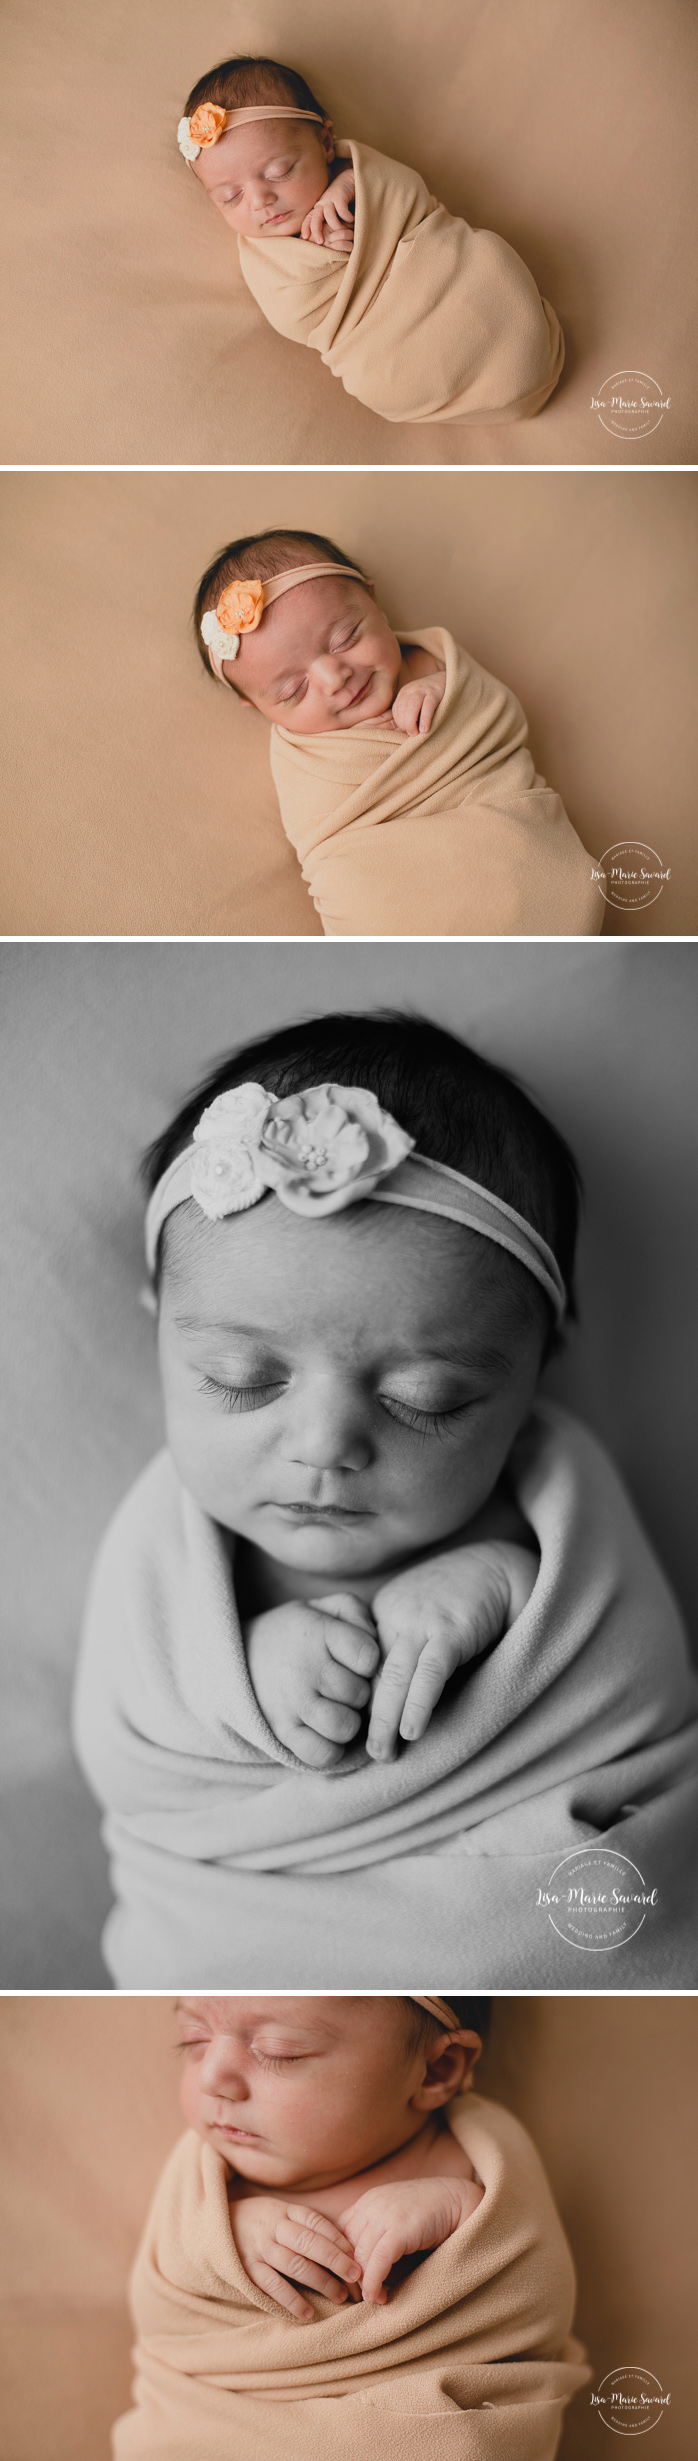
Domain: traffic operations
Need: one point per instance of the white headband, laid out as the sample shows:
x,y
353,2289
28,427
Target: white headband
x,y
321,1151
242,606
209,122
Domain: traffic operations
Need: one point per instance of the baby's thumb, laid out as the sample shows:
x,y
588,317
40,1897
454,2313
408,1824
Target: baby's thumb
x,y
348,1609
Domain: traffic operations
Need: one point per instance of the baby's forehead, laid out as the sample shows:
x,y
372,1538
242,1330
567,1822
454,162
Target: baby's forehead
x,y
250,147
297,624
375,1274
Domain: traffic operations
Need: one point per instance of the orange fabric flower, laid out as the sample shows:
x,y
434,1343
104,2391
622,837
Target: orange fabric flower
x,y
241,607
207,124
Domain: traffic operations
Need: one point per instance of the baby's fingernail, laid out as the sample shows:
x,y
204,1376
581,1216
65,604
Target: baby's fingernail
x,y
367,1658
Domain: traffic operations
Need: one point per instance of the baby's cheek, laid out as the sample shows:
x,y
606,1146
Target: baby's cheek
x,y
190,2099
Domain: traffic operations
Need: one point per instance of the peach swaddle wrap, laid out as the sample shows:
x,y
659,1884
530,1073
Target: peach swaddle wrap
x,y
426,319
451,832
472,2352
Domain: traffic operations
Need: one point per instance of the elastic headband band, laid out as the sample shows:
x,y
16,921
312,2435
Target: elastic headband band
x,y
243,603
441,2009
210,121
322,1150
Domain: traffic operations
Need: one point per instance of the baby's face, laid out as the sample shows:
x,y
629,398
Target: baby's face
x,y
302,2091
323,657
341,1393
265,176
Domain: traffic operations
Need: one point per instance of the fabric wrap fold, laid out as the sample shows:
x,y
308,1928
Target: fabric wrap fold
x,y
234,1866
481,2328
426,320
450,832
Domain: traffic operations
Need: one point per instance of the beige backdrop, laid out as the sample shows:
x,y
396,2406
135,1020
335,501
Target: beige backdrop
x,y
566,125
103,1042
140,796
88,2110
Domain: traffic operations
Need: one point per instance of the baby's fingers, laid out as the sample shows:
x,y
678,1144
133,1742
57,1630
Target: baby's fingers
x,y
438,1661
429,704
350,1634
332,1719
313,2234
337,1683
281,2291
314,224
377,2266
389,1699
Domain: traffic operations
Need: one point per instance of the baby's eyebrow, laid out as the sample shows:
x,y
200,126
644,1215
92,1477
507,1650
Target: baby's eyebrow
x,y
482,1355
216,1324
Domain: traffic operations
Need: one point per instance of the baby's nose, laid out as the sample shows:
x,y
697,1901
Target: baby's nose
x,y
220,2073
333,672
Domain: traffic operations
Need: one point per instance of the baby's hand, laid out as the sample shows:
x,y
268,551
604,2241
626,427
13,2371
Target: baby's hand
x,y
433,1619
311,1668
413,708
275,2240
390,2222
331,222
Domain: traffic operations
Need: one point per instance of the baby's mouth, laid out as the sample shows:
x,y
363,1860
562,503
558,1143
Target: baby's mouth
x,y
356,697
323,1512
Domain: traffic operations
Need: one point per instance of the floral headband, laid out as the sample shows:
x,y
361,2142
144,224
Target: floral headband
x,y
242,606
319,1152
210,121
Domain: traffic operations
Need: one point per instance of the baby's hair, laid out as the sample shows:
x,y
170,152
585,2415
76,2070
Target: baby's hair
x,y
460,1109
259,558
242,84
423,2029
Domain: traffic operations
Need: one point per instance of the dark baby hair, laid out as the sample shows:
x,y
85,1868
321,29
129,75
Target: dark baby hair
x,y
460,1109
259,558
242,84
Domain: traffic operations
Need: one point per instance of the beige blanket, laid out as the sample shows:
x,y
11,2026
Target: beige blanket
x,y
426,319
446,833
481,2328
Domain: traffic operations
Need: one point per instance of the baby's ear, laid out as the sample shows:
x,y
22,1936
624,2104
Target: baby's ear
x,y
327,140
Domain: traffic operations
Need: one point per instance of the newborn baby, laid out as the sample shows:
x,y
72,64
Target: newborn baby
x,y
395,834
335,2176
354,2136
354,1306
421,317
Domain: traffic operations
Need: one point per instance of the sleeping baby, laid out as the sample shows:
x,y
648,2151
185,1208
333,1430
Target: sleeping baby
x,y
421,317
338,2174
402,768
379,1627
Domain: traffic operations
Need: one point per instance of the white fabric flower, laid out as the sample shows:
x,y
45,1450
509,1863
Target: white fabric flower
x,y
226,644
225,1175
327,1148
186,143
318,1151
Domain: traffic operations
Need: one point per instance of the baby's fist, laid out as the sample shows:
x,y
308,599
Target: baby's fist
x,y
390,2222
433,1619
330,223
415,705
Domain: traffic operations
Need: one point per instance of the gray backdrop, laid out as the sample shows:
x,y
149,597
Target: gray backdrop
x,y
100,1042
